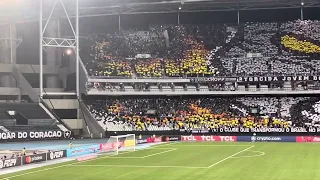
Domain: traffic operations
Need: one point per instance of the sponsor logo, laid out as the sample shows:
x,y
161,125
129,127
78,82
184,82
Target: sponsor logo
x,y
107,146
83,150
8,163
30,159
141,141
253,138
67,134
77,151
209,138
56,155
265,138
225,138
172,139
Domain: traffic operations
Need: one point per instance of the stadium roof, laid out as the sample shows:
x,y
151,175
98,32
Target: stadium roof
x,y
28,10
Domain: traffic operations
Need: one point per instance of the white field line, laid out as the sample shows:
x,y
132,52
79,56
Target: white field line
x,y
56,167
254,155
165,144
135,157
159,153
229,157
133,166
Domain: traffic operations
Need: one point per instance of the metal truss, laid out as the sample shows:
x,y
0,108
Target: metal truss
x,y
66,8
59,42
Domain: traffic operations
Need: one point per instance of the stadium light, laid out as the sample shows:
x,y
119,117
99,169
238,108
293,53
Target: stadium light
x,y
69,52
180,8
302,3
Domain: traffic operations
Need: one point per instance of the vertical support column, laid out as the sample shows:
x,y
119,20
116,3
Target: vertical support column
x,y
301,12
119,22
238,12
77,50
178,18
41,52
52,30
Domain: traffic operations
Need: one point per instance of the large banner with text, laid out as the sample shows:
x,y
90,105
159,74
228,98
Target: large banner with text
x,y
34,135
236,130
255,79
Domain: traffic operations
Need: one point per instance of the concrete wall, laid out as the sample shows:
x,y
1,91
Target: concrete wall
x,y
62,103
74,123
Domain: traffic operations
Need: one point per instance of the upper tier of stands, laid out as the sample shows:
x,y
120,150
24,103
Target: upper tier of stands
x,y
127,114
249,49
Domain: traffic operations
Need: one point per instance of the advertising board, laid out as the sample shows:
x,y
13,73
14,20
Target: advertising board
x,y
209,138
308,139
77,151
56,154
7,163
266,138
34,158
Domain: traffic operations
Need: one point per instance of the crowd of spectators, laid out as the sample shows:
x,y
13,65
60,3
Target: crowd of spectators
x,y
207,112
248,49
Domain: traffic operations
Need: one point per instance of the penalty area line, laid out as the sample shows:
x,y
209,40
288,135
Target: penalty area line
x,y
229,157
142,157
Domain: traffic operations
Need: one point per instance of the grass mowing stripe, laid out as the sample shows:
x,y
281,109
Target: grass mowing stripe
x,y
56,167
230,156
133,166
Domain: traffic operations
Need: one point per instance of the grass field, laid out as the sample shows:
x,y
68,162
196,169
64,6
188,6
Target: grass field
x,y
191,161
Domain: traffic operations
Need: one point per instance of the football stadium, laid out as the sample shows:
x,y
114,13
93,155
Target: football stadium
x,y
159,89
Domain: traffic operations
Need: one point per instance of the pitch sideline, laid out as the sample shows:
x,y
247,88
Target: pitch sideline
x,y
134,166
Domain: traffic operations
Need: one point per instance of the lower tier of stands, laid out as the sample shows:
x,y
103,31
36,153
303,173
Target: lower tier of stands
x,y
166,113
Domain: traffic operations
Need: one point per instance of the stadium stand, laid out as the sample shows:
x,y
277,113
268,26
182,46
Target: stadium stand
x,y
127,114
248,49
226,50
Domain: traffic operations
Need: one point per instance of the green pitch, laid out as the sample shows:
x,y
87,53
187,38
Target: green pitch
x,y
192,161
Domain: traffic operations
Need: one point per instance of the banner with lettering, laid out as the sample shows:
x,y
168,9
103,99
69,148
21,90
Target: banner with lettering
x,y
252,130
255,79
209,138
266,138
34,135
